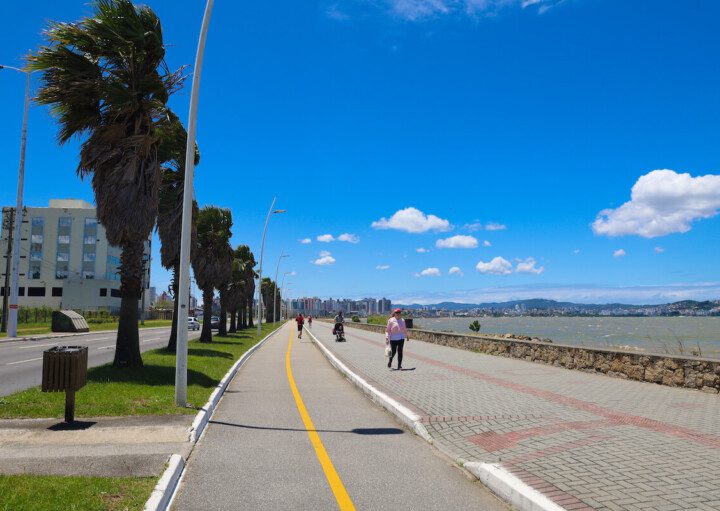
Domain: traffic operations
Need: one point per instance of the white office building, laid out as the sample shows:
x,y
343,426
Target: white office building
x,y
65,259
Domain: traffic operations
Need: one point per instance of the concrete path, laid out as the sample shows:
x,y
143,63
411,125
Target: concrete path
x,y
586,441
259,452
21,360
103,446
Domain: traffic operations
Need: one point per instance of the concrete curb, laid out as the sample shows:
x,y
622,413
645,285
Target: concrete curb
x,y
169,483
41,337
166,486
500,481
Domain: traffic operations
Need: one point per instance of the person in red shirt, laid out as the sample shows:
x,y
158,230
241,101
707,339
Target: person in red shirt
x,y
310,321
300,320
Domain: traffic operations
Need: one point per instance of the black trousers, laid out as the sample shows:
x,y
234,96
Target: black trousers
x,y
397,347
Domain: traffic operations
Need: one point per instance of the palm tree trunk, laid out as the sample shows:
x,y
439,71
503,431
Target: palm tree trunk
x,y
172,342
242,314
206,334
233,322
222,325
127,345
250,313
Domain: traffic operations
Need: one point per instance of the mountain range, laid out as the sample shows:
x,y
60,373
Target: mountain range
x,y
545,304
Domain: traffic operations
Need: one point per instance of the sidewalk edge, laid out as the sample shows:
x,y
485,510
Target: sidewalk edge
x,y
510,488
166,486
501,482
165,491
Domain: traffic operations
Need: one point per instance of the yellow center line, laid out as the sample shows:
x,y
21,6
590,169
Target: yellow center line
x,y
336,484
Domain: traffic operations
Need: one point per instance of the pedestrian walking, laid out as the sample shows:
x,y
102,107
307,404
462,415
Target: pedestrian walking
x,y
395,335
310,320
300,320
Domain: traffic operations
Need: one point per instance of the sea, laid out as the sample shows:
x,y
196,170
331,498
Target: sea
x,y
688,336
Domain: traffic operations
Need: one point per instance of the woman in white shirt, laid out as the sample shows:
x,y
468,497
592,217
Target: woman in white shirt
x,y
395,335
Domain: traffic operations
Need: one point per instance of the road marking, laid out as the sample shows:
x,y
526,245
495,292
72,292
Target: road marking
x,y
23,361
336,484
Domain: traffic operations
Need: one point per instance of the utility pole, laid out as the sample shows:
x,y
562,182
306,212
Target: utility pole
x,y
9,222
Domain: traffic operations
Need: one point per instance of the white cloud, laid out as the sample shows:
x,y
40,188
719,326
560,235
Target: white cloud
x,y
662,202
486,243
495,227
528,266
498,266
382,267
326,238
324,259
418,10
429,272
458,241
576,251
659,250
619,253
412,220
305,241
422,250
455,270
475,226
292,273
349,238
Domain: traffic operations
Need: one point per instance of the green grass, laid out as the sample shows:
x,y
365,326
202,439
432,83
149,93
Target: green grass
x,y
51,493
44,328
149,390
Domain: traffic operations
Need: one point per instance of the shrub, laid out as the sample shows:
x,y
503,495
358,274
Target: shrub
x,y
475,326
355,319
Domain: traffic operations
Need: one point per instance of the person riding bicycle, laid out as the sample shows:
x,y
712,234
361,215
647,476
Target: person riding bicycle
x,y
339,320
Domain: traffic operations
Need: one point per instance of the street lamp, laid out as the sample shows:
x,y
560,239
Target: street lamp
x,y
282,256
15,271
282,287
184,277
271,211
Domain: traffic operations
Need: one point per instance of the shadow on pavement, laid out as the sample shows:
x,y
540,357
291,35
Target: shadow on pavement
x,y
356,431
72,426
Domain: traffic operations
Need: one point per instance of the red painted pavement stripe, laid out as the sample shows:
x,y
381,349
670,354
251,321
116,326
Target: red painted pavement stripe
x,y
619,418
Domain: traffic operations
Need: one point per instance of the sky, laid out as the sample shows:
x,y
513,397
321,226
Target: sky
x,y
431,150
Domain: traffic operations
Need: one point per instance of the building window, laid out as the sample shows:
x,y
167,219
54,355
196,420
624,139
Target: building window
x,y
112,265
103,291
36,291
62,264
57,291
89,248
115,293
21,291
37,231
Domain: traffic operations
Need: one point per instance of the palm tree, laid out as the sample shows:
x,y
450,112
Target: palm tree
x,y
213,257
235,291
169,225
267,290
106,80
247,258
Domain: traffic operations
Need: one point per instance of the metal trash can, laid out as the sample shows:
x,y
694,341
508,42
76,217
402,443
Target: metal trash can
x,y
65,369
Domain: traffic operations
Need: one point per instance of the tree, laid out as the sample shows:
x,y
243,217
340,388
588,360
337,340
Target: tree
x,y
170,204
247,258
213,258
267,289
107,83
475,326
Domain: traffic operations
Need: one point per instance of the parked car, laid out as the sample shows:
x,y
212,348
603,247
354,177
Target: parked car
x,y
214,322
193,324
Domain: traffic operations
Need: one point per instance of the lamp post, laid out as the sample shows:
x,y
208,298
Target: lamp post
x,y
184,278
271,211
277,268
15,269
282,289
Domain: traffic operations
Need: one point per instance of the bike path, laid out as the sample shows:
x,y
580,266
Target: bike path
x,y
586,441
257,453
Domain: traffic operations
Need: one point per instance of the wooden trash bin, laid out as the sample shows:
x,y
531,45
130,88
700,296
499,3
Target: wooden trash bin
x,y
65,369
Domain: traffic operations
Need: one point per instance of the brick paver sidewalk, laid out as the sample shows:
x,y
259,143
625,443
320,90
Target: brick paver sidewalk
x,y
586,441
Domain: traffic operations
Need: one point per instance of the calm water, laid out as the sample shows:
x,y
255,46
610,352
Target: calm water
x,y
658,335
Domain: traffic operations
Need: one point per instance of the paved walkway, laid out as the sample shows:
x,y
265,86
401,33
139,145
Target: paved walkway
x,y
259,452
586,441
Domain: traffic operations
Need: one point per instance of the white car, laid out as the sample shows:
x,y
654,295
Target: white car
x,y
193,324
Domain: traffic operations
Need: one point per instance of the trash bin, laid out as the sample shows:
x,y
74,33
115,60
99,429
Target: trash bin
x,y
408,322
65,369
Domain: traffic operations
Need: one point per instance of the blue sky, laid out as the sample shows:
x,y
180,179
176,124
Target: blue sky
x,y
539,116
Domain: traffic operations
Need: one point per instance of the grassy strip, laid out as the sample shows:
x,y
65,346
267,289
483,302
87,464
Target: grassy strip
x,y
49,493
25,329
149,390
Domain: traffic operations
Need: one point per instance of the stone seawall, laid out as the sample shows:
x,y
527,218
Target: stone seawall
x,y
692,373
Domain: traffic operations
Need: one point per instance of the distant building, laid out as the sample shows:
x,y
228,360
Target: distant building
x,y
384,306
65,259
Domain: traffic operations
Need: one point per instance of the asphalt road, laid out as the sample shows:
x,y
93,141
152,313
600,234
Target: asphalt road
x,y
259,452
21,361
